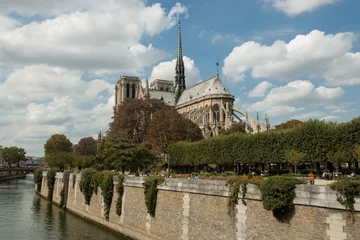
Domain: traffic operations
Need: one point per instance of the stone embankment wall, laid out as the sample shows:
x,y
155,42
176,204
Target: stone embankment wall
x,y
197,209
10,174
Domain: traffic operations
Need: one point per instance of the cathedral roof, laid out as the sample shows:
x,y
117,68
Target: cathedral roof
x,y
168,97
207,88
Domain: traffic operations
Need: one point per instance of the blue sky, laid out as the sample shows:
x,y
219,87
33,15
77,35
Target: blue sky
x,y
59,61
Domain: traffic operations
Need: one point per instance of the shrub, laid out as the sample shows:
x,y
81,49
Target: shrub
x,y
96,181
51,174
38,174
346,190
107,191
234,189
120,190
86,186
150,192
278,194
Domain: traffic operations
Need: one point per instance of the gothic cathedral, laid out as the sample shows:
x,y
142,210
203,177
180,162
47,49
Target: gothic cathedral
x,y
209,103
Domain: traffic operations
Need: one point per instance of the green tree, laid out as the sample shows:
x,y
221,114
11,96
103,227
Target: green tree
x,y
121,154
86,147
294,158
235,128
59,152
289,124
61,160
337,158
57,143
13,155
356,152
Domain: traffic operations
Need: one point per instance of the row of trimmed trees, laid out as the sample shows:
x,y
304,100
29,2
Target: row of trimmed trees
x,y
316,141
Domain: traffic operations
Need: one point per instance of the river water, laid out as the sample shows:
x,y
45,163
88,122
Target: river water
x,y
26,216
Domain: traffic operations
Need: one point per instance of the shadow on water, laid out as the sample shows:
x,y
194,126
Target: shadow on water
x,y
62,225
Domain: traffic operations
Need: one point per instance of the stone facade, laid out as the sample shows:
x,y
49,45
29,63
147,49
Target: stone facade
x,y
197,209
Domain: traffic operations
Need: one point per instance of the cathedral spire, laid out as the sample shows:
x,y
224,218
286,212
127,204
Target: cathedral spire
x,y
179,69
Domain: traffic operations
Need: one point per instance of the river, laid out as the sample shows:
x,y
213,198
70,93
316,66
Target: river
x,y
26,216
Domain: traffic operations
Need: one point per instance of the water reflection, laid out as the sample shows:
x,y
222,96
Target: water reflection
x,y
24,215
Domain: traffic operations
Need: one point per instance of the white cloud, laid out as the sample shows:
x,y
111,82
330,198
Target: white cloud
x,y
218,37
92,40
201,33
295,7
166,71
295,93
330,118
38,101
282,110
315,54
35,83
260,90
308,115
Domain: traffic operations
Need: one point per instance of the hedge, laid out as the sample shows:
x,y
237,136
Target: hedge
x,y
315,139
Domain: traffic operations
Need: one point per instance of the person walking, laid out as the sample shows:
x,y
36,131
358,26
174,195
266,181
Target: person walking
x,y
311,178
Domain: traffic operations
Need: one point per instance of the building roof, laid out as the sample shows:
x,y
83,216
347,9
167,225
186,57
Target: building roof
x,y
167,96
207,88
162,81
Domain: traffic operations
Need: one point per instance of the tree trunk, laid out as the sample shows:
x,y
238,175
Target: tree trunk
x,y
317,165
278,168
349,166
356,165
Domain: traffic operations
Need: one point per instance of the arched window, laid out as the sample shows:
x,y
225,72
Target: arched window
x,y
127,90
216,113
133,90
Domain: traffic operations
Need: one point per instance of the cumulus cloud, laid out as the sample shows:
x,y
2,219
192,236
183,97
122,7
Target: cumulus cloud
x,y
315,54
295,7
87,40
166,71
260,90
35,83
35,106
282,110
295,93
50,68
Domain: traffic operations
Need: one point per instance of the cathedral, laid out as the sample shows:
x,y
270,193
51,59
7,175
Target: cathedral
x,y
209,103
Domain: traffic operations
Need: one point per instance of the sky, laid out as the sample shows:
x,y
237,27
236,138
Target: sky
x,y
59,60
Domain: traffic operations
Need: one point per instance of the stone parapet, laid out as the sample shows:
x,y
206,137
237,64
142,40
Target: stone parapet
x,y
198,209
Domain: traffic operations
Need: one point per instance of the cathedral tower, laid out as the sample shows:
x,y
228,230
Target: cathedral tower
x,y
179,69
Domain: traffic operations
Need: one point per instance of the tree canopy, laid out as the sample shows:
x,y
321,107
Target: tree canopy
x,y
13,155
314,138
59,152
121,154
132,118
61,160
288,125
168,126
86,147
294,157
57,143
235,128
